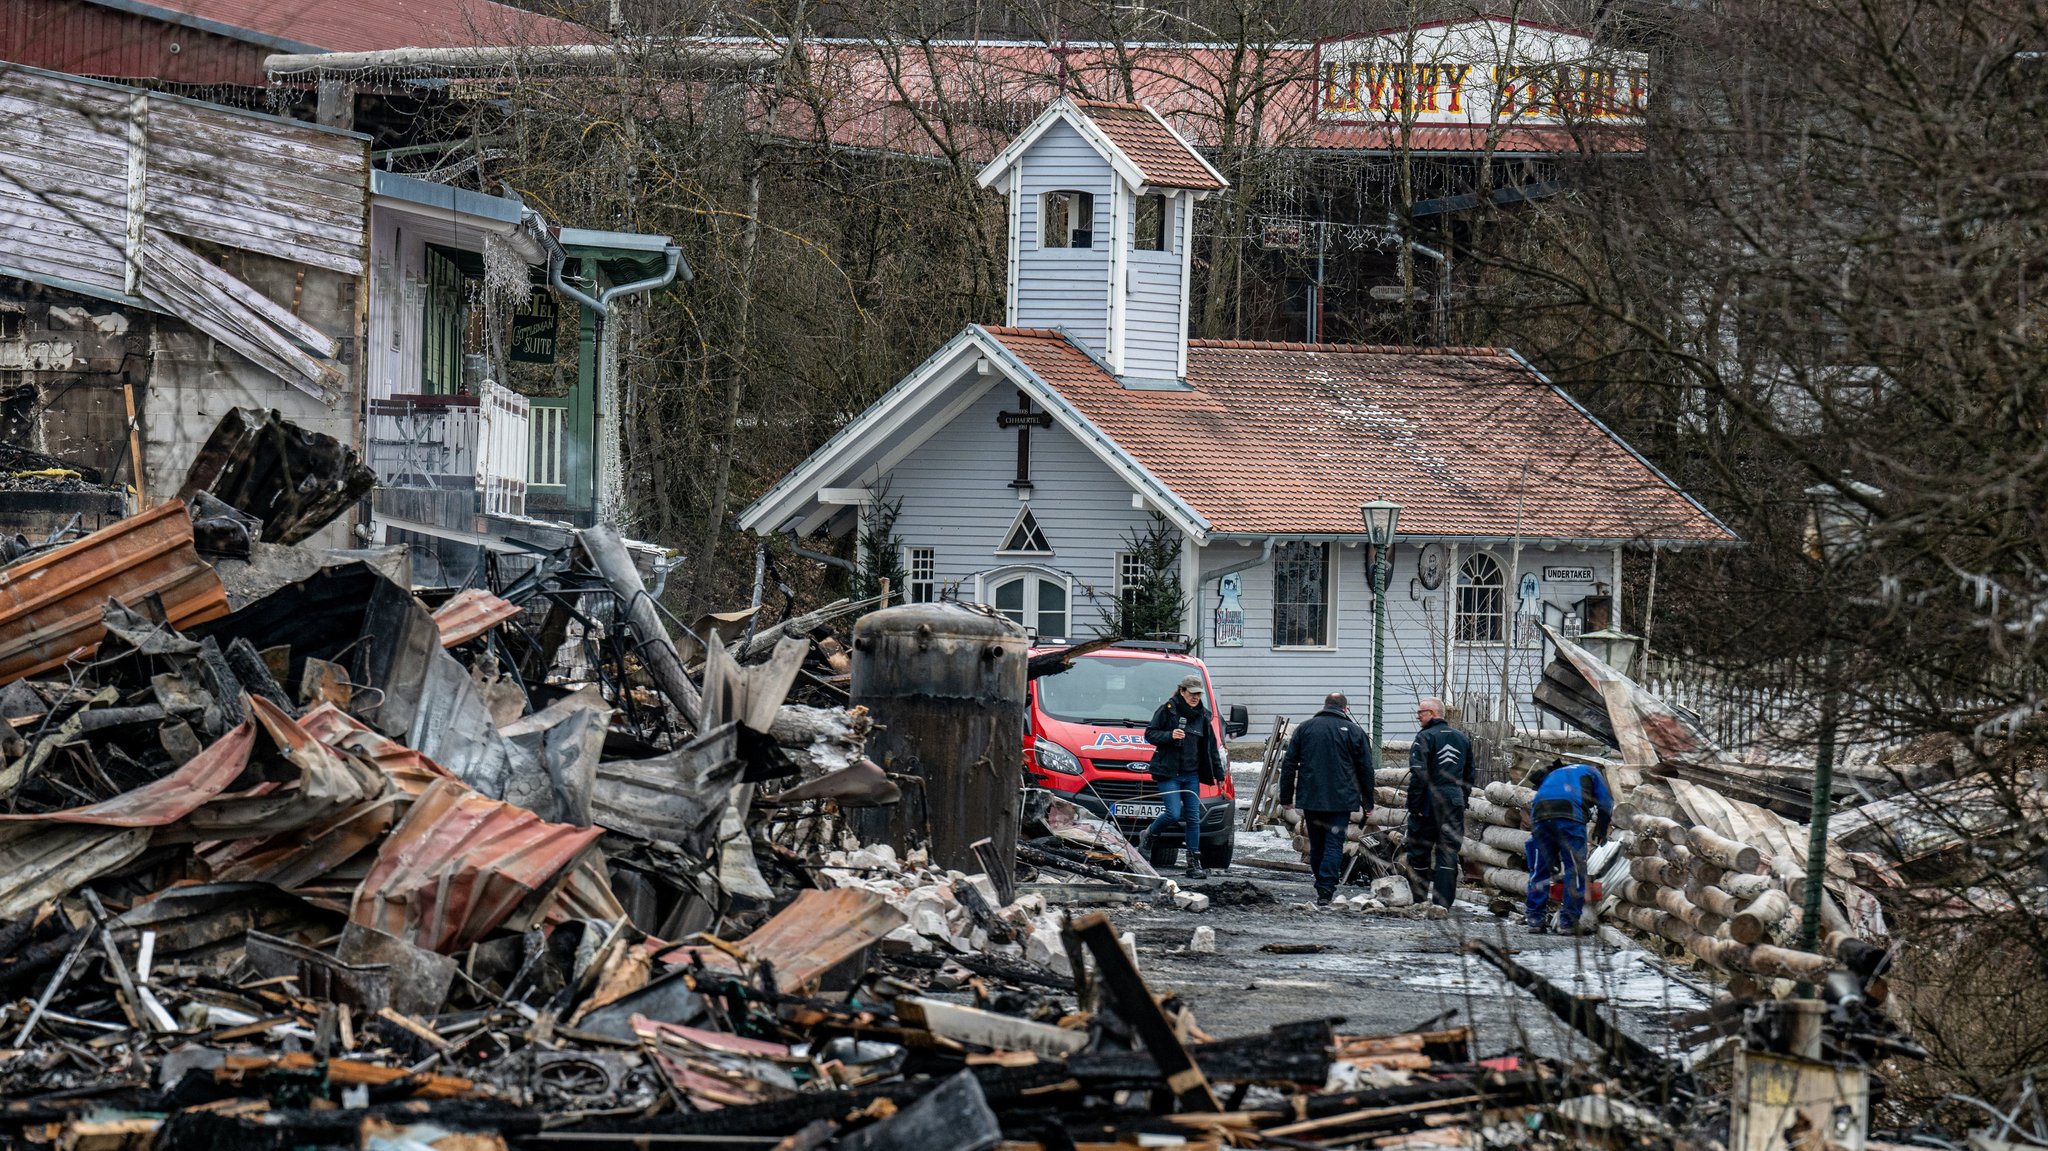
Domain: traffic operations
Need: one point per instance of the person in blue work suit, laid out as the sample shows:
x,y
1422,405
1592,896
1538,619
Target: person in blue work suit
x,y
1564,794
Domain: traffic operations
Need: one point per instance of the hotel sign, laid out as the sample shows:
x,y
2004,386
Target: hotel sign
x,y
1477,73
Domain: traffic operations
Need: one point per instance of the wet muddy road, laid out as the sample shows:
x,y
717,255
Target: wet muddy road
x,y
1390,970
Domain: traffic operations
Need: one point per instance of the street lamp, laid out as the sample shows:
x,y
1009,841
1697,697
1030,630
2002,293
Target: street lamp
x,y
1838,522
1381,517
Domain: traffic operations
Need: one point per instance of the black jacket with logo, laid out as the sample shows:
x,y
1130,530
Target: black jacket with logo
x,y
1439,768
1333,757
1196,754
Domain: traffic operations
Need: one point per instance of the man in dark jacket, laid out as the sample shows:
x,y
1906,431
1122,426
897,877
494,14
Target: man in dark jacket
x,y
1439,774
1186,757
1333,759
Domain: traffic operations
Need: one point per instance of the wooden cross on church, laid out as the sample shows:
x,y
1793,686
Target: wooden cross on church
x,y
1023,419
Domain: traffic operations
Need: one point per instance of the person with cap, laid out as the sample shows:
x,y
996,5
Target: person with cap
x,y
1185,756
1332,757
1557,841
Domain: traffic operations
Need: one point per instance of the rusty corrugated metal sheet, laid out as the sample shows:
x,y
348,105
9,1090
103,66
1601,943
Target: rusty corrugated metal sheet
x,y
50,604
407,768
470,614
460,866
171,798
811,936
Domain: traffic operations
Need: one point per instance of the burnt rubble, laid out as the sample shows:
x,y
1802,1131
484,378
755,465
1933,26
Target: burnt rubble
x,y
333,863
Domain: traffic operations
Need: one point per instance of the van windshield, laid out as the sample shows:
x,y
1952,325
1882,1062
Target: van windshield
x,y
1110,692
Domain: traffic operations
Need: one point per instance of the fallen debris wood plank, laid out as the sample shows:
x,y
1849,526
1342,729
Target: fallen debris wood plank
x,y
987,1028
1351,1118
131,1001
1584,1017
1135,1004
349,1072
419,1030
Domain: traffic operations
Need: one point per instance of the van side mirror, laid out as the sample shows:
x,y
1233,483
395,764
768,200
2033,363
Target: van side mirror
x,y
1239,723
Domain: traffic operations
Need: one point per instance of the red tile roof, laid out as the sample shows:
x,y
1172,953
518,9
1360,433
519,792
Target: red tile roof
x,y
1291,438
977,96
368,25
1165,159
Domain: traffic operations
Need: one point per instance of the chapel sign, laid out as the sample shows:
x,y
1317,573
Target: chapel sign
x,y
1475,73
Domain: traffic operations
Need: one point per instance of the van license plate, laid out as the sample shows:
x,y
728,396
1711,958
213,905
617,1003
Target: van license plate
x,y
1140,810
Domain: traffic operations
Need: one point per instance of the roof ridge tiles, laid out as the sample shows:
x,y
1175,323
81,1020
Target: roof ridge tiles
x,y
1367,349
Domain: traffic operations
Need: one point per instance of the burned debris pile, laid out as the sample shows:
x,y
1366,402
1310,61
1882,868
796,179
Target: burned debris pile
x,y
343,865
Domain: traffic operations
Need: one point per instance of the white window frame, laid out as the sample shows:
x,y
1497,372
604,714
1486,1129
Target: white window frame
x,y
1329,600
986,583
927,584
1080,205
1128,573
1501,617
1018,522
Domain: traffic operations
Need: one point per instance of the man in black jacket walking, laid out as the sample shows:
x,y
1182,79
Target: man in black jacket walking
x,y
1439,774
1184,759
1333,760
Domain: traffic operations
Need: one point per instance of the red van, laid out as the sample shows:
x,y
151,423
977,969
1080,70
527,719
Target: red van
x,y
1086,741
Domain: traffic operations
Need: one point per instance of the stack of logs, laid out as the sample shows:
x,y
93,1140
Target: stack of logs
x,y
1389,813
1715,898
1496,836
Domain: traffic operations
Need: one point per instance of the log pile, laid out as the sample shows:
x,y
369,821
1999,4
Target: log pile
x,y
1496,839
1715,899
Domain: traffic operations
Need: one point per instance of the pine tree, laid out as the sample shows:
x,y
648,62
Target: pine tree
x,y
1154,606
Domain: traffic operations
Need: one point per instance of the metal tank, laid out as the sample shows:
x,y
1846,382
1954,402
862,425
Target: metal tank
x,y
945,684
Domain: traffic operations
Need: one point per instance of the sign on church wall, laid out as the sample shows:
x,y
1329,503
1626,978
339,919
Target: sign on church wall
x,y
1476,73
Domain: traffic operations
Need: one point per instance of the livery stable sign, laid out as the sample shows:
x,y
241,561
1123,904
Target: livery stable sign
x,y
1479,73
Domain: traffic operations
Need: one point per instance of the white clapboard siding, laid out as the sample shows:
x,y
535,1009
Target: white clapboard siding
x,y
238,315
1064,287
83,166
956,500
63,179
258,183
1152,306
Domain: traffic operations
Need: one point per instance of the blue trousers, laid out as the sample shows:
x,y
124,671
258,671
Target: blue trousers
x,y
1557,844
1182,796
1326,847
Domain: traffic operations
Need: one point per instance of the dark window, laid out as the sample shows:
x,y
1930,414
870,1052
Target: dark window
x,y
1067,220
452,318
1301,595
1024,535
1151,235
1482,592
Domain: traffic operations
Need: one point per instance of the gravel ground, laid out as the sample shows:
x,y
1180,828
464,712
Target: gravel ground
x,y
1391,970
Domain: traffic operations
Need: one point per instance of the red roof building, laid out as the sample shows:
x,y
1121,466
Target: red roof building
x,y
223,43
1022,462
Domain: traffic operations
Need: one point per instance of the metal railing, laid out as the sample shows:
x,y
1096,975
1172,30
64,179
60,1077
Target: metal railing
x,y
473,443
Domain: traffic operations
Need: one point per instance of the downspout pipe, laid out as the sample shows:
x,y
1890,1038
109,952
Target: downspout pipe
x,y
835,561
1265,556
601,303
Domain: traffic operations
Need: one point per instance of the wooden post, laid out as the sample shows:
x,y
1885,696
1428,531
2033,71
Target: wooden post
x,y
1135,1003
135,447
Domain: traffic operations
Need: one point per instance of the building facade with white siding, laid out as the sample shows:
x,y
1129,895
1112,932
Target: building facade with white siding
x,y
1023,461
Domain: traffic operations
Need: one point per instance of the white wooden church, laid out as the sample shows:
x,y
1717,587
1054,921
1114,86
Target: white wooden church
x,y
1026,456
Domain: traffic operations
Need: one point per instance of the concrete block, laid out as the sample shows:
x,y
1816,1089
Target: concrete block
x,y
1203,942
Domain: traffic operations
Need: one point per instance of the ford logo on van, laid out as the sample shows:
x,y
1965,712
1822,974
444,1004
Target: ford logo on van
x,y
1115,739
